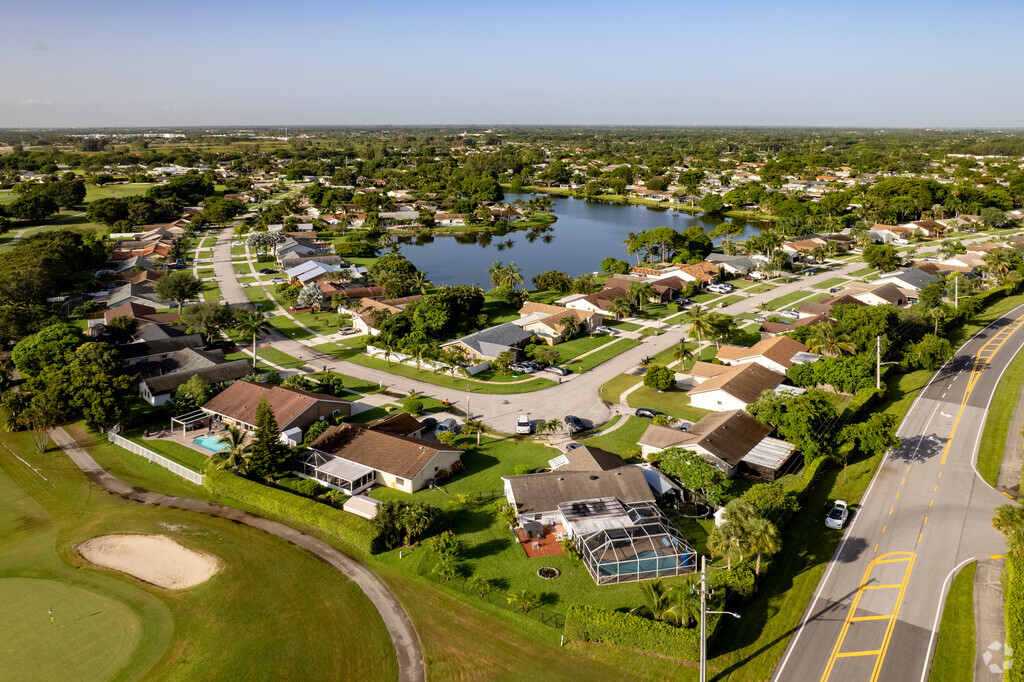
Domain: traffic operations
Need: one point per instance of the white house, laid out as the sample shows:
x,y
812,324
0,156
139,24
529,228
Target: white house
x,y
735,389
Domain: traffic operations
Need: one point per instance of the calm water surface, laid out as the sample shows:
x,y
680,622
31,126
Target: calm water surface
x,y
584,234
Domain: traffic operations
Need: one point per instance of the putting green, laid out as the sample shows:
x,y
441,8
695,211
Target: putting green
x,y
92,636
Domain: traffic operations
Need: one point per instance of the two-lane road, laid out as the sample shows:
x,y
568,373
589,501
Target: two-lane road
x,y
926,512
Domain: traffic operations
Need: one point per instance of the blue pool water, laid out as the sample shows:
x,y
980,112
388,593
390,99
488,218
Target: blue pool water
x,y
647,561
210,443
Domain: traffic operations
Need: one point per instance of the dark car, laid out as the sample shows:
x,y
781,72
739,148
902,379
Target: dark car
x,y
221,344
574,424
429,424
646,413
268,271
560,371
535,364
834,290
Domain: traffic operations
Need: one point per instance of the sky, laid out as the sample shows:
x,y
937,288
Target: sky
x,y
866,63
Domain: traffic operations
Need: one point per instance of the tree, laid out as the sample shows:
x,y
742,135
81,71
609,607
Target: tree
x,y
929,353
192,394
762,538
659,377
620,307
523,600
673,605
882,257
712,205
681,353
269,456
992,216
771,498
34,206
207,318
47,347
415,520
178,286
826,339
640,293
553,280
504,361
725,541
805,420
234,449
220,210
251,324
122,328
1002,260
700,322
311,296
693,472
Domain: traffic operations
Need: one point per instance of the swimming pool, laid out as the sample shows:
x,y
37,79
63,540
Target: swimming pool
x,y
646,562
211,443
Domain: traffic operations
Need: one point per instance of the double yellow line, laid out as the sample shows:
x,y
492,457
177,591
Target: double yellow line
x,y
901,587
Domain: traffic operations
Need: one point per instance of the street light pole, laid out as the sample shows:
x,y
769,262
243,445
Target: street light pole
x,y
704,593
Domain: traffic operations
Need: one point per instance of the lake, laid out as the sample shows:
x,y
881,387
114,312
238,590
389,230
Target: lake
x,y
585,233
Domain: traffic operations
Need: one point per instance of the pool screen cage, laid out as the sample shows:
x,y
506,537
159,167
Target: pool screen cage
x,y
190,420
652,548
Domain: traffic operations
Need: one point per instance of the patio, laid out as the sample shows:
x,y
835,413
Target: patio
x,y
186,438
549,545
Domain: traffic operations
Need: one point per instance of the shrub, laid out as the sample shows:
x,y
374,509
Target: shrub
x,y
458,466
315,430
303,486
659,377
413,406
521,469
590,624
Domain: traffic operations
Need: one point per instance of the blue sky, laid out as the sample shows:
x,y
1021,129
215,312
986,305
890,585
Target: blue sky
x,y
861,63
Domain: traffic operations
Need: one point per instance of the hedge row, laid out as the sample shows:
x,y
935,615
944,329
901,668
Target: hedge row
x,y
860,405
1015,612
591,624
347,527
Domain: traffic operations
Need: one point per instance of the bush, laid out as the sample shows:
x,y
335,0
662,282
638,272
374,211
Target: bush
x,y
303,486
265,258
413,406
353,530
522,469
315,430
866,398
590,624
659,377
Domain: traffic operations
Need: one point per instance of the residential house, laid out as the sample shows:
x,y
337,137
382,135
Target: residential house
x,y
355,457
737,266
877,294
211,367
443,219
731,441
158,349
293,408
488,344
777,354
133,293
545,321
735,389
910,281
803,248
823,307
925,228
364,318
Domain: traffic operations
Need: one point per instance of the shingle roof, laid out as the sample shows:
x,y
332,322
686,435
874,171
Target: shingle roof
x,y
227,371
727,435
132,310
499,338
240,400
744,382
535,493
588,458
914,278
140,349
402,424
779,349
826,304
394,454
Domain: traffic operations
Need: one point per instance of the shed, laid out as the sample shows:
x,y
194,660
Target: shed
x,y
292,437
362,506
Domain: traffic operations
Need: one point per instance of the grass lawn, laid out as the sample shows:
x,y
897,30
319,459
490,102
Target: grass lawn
x,y
107,625
238,250
211,292
830,282
862,272
612,390
287,326
571,349
256,295
605,353
279,358
185,456
242,268
672,402
954,649
656,311
704,297
623,439
760,289
205,273
997,423
623,326
729,300
785,300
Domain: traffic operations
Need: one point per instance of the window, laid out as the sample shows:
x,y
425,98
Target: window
x,y
399,481
335,413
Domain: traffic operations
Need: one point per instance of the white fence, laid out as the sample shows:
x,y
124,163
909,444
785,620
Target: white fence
x,y
153,457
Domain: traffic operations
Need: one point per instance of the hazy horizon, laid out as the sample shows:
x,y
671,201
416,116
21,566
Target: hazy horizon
x,y
739,63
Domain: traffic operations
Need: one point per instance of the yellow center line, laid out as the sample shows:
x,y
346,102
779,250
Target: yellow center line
x,y
932,501
851,654
860,618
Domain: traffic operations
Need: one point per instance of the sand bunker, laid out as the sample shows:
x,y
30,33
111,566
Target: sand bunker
x,y
155,559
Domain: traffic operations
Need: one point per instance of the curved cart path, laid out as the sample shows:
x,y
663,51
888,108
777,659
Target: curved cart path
x,y
403,634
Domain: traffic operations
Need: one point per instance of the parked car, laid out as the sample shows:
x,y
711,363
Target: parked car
x,y
758,275
646,413
720,288
604,329
574,424
572,445
682,300
428,424
834,290
535,364
555,369
268,271
901,241
276,279
447,426
791,313
931,259
523,425
684,426
837,517
522,368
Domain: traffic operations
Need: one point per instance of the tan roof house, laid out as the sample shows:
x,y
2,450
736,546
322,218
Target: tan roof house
x,y
736,389
778,354
292,407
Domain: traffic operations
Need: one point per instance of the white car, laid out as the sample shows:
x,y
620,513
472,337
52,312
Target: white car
x,y
720,288
604,330
836,518
758,275
523,425
447,425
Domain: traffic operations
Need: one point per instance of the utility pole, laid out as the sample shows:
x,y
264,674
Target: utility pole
x,y
704,593
878,363
956,292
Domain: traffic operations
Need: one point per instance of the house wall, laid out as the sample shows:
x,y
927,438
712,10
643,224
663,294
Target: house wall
x,y
442,460
759,359
717,401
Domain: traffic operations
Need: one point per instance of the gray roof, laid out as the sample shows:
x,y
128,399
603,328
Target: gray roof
x,y
536,493
132,292
227,371
494,341
738,261
141,349
913,278
588,458
154,332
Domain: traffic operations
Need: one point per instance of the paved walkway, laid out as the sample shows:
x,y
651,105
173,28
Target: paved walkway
x,y
1013,455
988,617
403,634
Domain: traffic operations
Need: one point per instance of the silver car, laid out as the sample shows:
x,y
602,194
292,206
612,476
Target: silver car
x,y
837,517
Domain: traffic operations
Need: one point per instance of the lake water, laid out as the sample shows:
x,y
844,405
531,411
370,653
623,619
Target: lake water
x,y
585,233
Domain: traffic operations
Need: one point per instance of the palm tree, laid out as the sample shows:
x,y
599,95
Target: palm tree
x,y
234,455
999,261
512,276
640,292
700,322
496,272
620,307
763,538
523,599
826,339
477,585
550,426
570,325
387,346
418,280
673,605
724,541
682,353
250,323
630,242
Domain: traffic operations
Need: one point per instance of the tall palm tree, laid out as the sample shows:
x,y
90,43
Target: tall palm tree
x,y
620,307
700,322
763,538
236,451
418,280
387,346
724,541
998,261
826,339
630,242
251,324
496,272
640,293
570,326
512,275
682,353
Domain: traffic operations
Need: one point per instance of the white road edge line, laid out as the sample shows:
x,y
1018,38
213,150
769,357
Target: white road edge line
x,y
867,494
938,615
988,404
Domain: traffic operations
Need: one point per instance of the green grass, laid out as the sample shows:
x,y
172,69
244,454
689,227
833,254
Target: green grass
x,y
623,439
110,626
954,649
760,289
279,358
831,282
237,250
289,328
211,292
257,295
623,326
995,438
242,268
205,273
672,402
612,390
862,272
785,300
729,300
176,452
603,354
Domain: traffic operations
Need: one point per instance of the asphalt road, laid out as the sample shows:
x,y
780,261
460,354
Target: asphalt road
x,y
926,512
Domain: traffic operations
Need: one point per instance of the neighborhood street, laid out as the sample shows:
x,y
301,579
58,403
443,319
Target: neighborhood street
x,y
876,610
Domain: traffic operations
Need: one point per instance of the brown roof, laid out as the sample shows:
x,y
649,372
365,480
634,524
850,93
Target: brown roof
x,y
536,493
781,327
589,458
530,308
240,400
704,270
779,349
887,292
132,310
708,369
402,456
824,306
226,371
555,321
744,382
402,424
727,435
